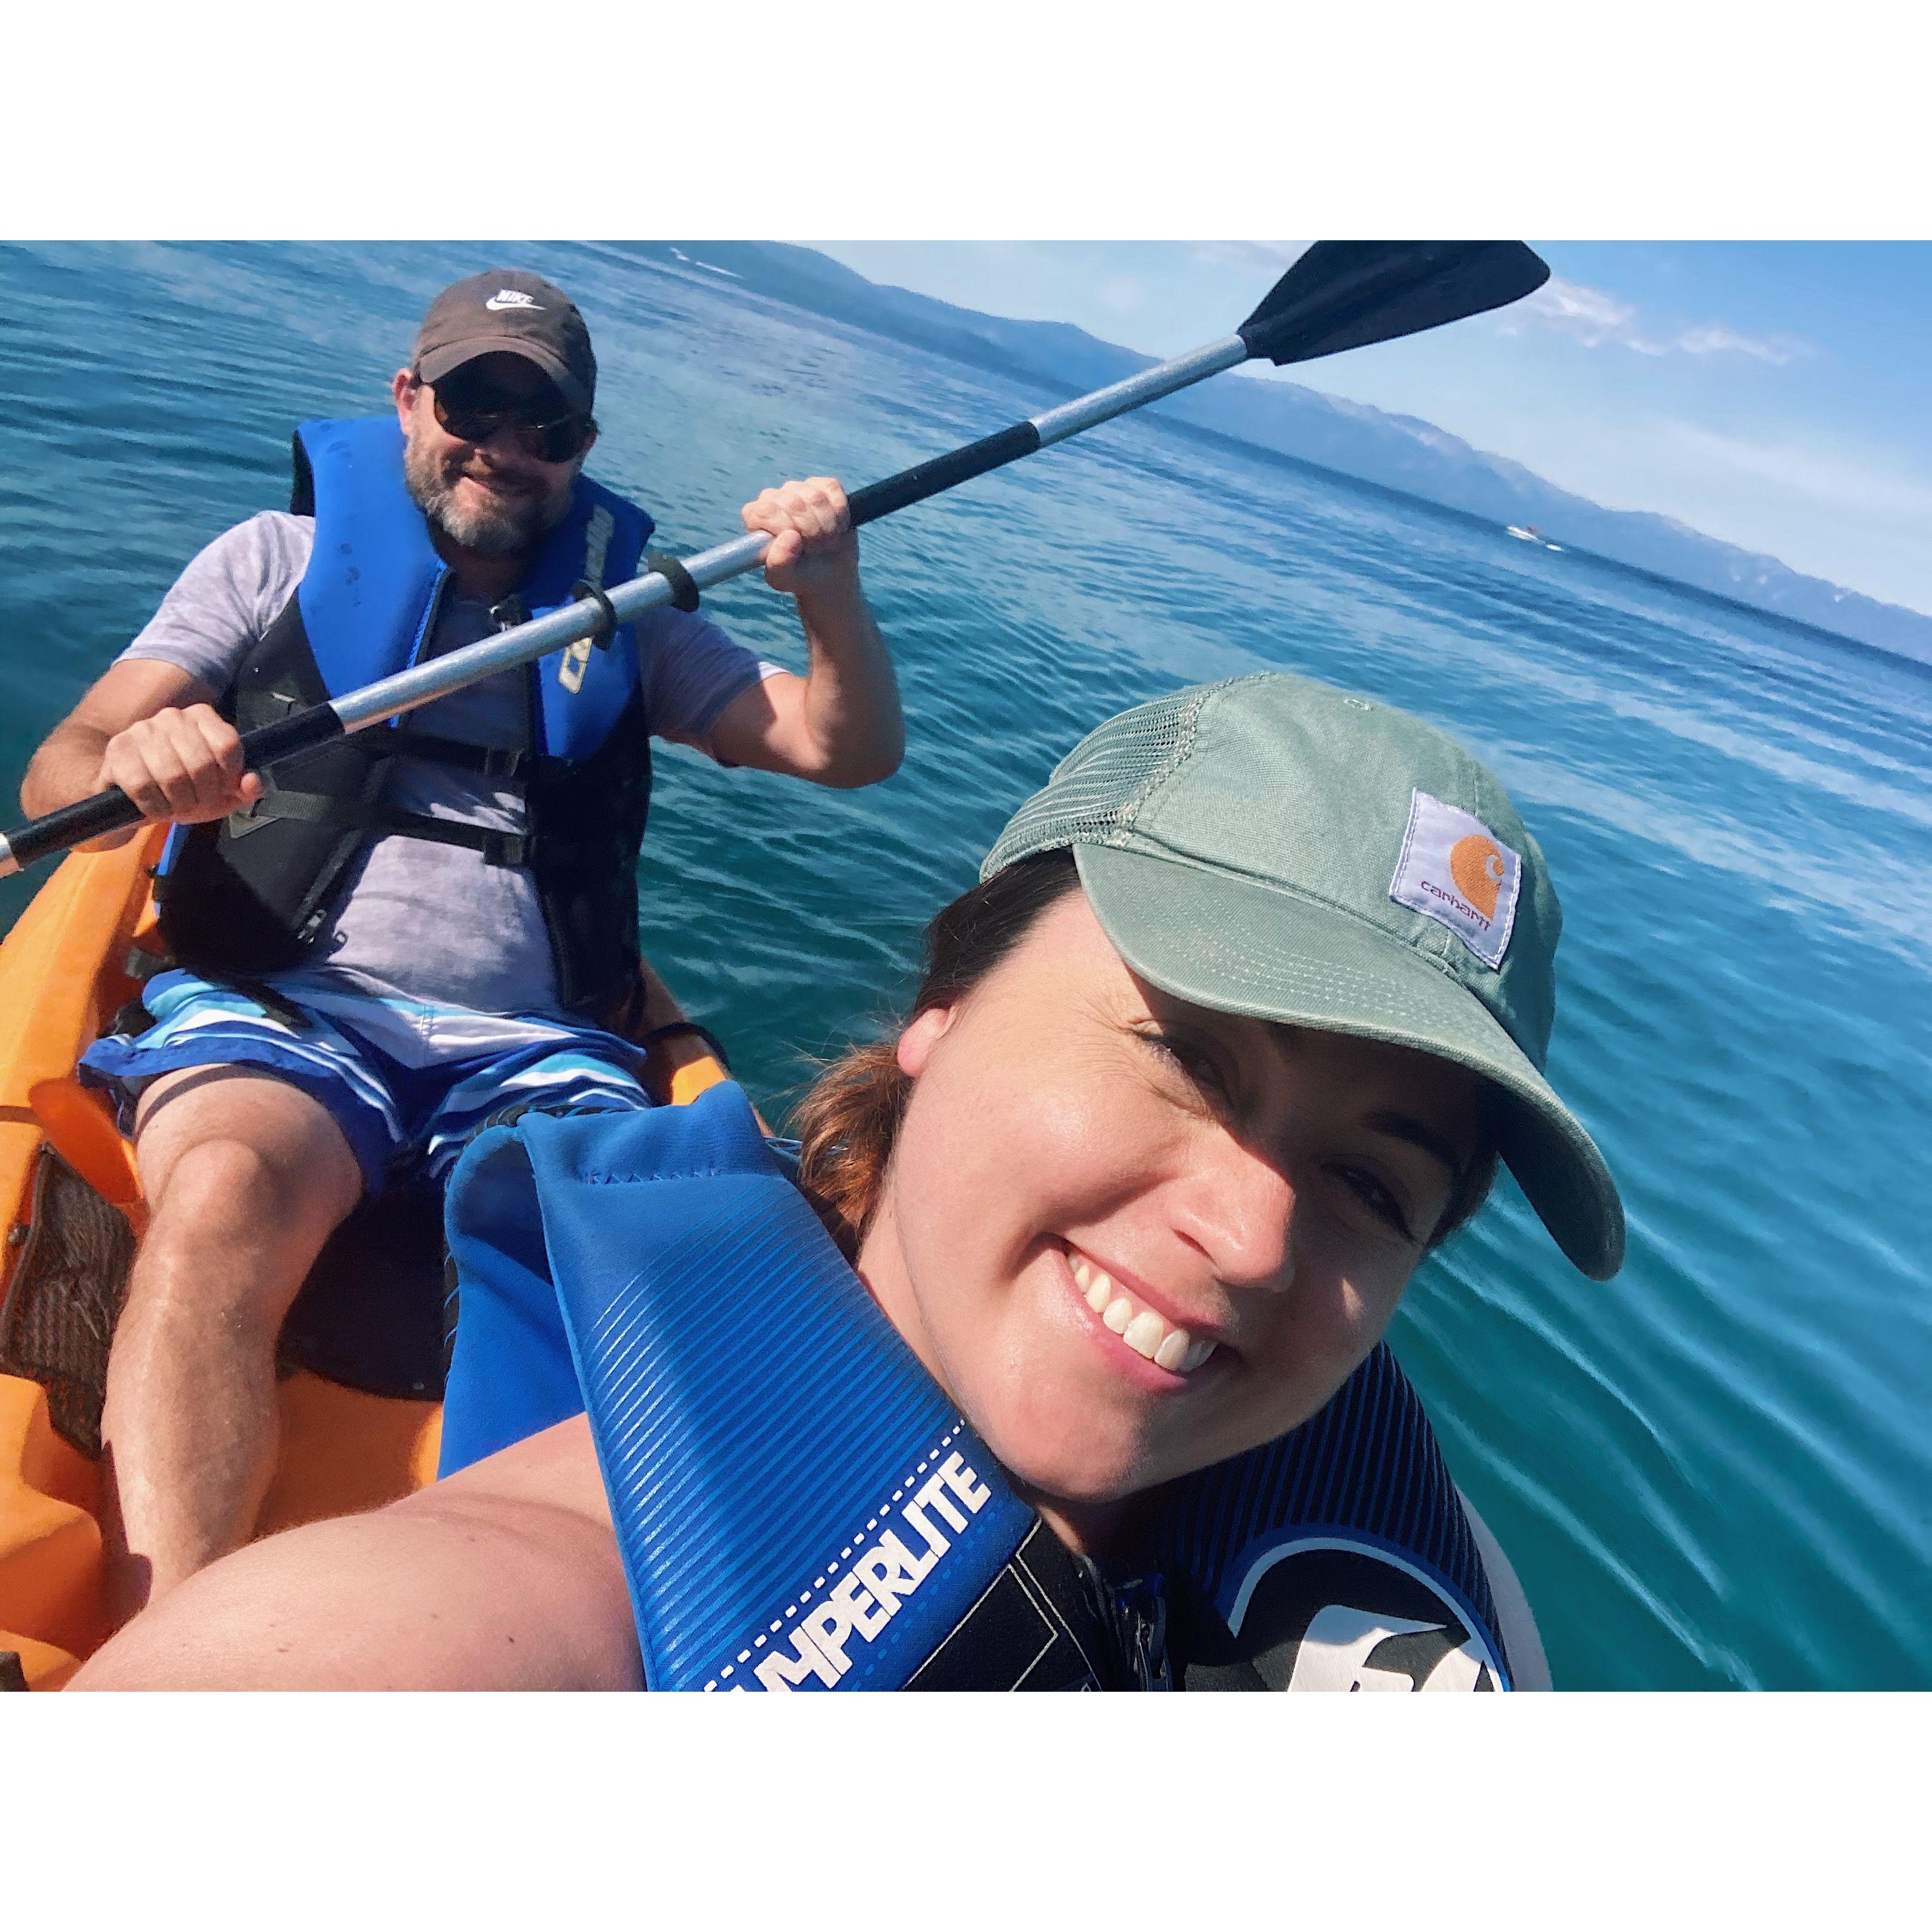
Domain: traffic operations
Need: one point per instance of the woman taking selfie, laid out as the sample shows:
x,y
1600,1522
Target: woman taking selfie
x,y
1250,1000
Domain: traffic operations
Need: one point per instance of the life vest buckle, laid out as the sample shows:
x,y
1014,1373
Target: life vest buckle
x,y
506,848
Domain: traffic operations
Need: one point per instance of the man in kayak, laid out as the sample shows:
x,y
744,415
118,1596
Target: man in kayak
x,y
391,939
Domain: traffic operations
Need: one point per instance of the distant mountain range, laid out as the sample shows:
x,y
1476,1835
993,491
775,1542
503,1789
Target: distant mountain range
x,y
1371,445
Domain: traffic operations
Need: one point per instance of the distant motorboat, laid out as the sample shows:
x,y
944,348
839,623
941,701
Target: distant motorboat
x,y
1530,533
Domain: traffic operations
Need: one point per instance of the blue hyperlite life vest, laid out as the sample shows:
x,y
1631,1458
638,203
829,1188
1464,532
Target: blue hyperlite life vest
x,y
246,895
799,1506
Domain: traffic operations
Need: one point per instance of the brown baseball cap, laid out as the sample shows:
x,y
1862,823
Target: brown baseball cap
x,y
509,311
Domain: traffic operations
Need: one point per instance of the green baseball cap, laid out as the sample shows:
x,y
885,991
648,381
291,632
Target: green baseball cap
x,y
1271,846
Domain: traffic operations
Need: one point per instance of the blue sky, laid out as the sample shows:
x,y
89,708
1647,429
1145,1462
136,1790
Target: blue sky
x,y
1777,394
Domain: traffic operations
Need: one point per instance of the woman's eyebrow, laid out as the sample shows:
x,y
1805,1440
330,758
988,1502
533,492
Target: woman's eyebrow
x,y
1405,1127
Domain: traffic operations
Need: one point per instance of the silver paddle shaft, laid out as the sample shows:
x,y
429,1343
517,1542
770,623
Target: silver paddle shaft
x,y
1149,386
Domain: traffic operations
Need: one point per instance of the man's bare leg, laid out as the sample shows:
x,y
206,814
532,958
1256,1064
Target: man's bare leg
x,y
246,1177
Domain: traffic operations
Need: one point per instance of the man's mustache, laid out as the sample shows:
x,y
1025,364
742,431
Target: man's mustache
x,y
508,480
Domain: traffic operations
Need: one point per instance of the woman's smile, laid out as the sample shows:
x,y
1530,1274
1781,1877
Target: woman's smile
x,y
1154,1338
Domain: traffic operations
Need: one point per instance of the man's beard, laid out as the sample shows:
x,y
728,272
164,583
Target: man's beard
x,y
500,526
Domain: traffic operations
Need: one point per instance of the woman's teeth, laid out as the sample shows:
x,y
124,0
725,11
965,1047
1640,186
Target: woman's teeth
x,y
1144,1331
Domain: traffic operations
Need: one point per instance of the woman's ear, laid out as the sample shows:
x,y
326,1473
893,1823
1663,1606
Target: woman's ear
x,y
917,1042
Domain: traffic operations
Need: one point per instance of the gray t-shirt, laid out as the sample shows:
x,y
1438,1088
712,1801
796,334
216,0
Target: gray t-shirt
x,y
436,921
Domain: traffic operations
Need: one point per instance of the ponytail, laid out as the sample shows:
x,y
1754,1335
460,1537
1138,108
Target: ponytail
x,y
847,1125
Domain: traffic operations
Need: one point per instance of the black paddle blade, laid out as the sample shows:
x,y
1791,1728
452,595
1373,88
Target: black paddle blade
x,y
1346,295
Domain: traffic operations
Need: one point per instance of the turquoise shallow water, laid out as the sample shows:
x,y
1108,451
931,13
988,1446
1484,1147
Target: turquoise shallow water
x,y
1715,1471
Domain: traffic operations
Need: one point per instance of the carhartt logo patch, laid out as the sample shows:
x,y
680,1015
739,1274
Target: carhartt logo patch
x,y
511,298
1455,870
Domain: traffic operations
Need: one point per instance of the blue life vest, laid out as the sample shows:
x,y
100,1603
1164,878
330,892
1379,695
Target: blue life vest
x,y
246,896
799,1506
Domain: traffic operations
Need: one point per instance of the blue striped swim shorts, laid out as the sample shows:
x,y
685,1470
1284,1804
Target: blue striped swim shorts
x,y
407,1081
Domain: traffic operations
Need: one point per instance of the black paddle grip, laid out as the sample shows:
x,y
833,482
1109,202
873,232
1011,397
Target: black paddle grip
x,y
302,731
927,479
106,812
109,811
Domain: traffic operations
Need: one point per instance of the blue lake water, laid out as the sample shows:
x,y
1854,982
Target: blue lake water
x,y
1715,1471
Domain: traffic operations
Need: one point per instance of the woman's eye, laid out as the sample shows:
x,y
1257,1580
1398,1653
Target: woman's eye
x,y
1198,1065
1375,1195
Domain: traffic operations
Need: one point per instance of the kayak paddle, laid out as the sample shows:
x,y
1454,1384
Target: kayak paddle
x,y
1339,294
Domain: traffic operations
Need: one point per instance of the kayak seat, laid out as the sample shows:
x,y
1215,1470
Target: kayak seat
x,y
370,1314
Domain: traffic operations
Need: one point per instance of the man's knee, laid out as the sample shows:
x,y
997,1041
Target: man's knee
x,y
237,1224
234,1146
227,1181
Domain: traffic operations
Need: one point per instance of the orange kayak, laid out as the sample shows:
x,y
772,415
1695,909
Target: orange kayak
x,y
358,1427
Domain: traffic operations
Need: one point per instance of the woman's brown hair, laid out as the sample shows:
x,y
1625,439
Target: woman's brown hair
x,y
848,1122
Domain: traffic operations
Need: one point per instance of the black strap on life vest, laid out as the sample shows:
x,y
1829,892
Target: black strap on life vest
x,y
492,761
349,814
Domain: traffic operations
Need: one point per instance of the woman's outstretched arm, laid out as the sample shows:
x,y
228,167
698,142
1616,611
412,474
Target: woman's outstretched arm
x,y
505,1577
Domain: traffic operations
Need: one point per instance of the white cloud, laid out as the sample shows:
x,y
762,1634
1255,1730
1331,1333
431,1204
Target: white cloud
x,y
1588,313
1713,338
1594,317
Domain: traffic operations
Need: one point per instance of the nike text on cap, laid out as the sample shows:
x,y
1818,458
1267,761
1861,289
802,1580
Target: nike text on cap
x,y
1273,847
509,311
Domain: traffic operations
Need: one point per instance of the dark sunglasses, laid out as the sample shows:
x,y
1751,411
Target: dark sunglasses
x,y
474,415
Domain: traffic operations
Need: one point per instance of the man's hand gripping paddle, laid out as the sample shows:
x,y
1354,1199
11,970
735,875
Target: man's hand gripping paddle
x,y
1339,294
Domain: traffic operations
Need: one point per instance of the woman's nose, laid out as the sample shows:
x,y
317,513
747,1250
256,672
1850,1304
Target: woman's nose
x,y
1238,1208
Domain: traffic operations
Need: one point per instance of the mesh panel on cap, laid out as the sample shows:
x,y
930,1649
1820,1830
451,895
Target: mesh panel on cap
x,y
1097,789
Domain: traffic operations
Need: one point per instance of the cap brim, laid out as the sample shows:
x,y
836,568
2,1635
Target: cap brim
x,y
439,363
1238,947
